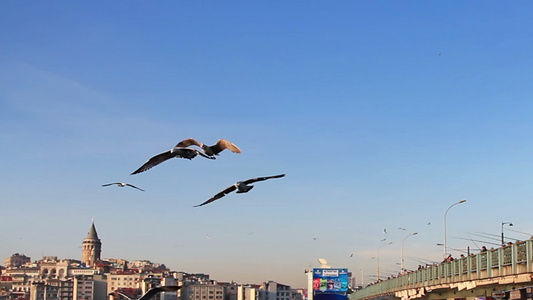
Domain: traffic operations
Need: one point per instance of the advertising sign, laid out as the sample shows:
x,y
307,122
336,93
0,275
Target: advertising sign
x,y
333,281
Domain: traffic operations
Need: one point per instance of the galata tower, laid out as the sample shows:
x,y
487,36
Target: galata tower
x,y
91,248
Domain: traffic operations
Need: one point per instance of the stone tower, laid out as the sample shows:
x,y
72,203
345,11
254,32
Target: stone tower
x,y
91,248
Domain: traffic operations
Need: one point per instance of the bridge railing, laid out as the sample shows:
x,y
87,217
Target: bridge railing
x,y
508,260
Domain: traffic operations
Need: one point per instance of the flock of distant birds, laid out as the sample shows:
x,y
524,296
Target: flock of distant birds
x,y
183,150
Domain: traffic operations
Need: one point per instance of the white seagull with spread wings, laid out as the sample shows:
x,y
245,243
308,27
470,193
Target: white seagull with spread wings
x,y
213,150
177,151
240,186
123,184
152,292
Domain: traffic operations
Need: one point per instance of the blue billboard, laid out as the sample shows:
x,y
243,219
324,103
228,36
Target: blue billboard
x,y
330,281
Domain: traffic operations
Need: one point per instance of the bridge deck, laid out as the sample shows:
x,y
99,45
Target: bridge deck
x,y
507,265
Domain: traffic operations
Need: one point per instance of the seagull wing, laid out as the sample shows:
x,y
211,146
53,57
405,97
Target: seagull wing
x,y
224,144
221,194
154,161
189,142
134,187
152,292
123,295
111,184
252,180
204,155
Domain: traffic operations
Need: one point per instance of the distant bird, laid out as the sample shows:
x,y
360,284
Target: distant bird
x,y
211,150
240,186
152,292
401,228
122,184
178,151
385,230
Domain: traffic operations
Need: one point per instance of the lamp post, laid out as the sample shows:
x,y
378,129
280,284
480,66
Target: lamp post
x,y
378,256
445,249
401,262
503,223
362,279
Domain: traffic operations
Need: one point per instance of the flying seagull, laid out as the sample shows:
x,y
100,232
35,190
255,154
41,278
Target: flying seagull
x,y
240,186
152,292
178,151
122,184
211,150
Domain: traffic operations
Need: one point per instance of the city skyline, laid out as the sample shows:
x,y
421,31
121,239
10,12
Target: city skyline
x,y
381,114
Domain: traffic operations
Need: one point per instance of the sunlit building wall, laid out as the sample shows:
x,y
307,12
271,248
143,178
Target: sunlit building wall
x,y
123,280
198,291
272,290
247,293
16,260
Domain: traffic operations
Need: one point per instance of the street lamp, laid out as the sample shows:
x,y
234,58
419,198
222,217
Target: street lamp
x,y
503,223
362,278
401,262
378,256
445,249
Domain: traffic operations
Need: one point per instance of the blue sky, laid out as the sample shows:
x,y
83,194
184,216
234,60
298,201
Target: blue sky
x,y
381,113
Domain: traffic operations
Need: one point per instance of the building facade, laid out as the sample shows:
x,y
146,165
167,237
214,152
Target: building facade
x,y
16,260
272,290
202,291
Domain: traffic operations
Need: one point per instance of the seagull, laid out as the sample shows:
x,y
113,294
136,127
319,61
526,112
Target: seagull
x,y
211,150
240,186
122,184
178,151
152,292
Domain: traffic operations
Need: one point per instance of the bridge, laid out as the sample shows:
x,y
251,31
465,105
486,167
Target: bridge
x,y
503,273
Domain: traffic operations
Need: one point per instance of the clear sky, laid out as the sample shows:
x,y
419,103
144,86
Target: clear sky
x,y
382,114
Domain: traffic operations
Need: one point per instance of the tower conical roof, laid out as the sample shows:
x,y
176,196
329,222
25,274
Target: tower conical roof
x,y
92,233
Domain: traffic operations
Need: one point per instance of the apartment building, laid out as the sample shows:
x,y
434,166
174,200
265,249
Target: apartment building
x,y
88,287
202,291
248,292
16,260
123,279
272,290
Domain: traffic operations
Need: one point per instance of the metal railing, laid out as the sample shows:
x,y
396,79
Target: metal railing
x,y
505,261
